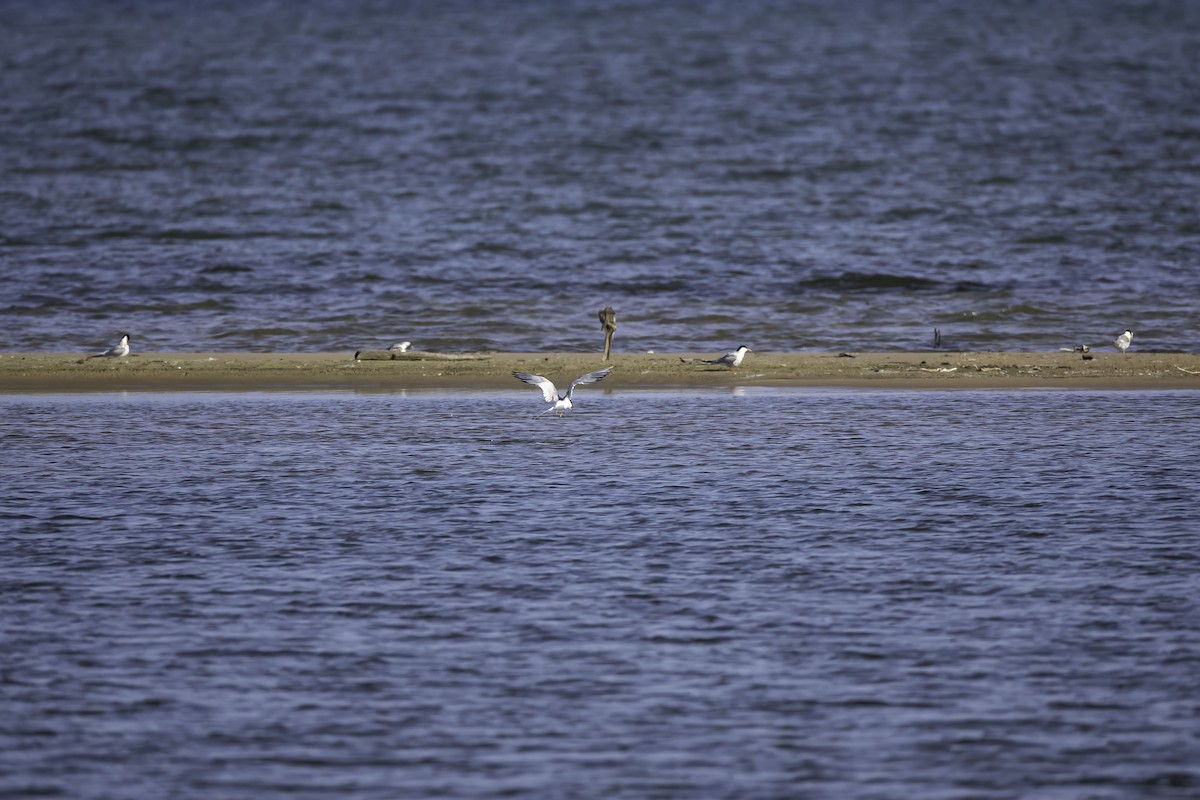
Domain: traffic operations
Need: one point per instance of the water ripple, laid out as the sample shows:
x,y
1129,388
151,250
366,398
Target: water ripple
x,y
825,593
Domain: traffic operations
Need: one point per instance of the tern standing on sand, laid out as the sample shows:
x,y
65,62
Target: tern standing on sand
x,y
562,402
1122,341
118,350
732,359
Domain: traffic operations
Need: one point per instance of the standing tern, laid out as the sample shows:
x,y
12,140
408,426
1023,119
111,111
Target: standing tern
x,y
118,350
562,401
1122,341
732,359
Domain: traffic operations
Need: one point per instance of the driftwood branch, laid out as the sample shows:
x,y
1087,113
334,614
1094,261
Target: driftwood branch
x,y
608,322
418,355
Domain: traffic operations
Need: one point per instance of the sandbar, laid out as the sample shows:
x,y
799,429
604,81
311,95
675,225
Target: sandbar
x,y
381,371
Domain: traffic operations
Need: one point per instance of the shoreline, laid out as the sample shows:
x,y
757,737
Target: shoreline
x,y
383,371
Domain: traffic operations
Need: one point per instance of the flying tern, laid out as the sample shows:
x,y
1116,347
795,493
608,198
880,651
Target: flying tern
x,y
561,400
732,359
118,350
1122,341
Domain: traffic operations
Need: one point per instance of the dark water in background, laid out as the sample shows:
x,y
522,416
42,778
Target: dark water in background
x,y
769,593
807,175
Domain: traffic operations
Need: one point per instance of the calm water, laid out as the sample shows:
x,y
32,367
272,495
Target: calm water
x,y
849,174
765,593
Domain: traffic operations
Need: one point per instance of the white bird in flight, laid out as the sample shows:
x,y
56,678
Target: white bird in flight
x,y
118,350
562,402
1122,341
732,359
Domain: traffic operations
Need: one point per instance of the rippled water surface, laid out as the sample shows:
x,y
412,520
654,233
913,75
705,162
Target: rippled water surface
x,y
765,593
340,174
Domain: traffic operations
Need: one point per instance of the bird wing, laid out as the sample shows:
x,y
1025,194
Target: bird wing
x,y
548,390
591,377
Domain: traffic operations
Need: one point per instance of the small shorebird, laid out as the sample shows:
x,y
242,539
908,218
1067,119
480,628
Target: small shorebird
x,y
732,359
562,401
401,347
118,350
1122,341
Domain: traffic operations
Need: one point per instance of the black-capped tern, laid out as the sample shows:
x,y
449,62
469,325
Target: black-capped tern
x,y
118,350
1122,341
732,359
562,401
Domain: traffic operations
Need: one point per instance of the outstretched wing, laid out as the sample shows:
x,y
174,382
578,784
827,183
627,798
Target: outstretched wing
x,y
591,377
548,390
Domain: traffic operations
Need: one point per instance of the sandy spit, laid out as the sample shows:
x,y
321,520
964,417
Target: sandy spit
x,y
379,371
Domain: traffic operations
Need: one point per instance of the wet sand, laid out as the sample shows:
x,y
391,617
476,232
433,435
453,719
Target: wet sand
x,y
382,371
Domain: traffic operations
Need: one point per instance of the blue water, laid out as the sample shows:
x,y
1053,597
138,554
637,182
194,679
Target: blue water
x,y
756,593
763,593
341,174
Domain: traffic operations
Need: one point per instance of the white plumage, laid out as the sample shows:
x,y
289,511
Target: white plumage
x,y
732,359
562,402
118,350
1122,341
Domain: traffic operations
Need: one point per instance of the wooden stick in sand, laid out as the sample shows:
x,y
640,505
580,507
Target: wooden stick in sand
x,y
608,322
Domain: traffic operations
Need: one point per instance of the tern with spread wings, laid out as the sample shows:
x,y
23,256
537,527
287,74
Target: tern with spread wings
x,y
562,401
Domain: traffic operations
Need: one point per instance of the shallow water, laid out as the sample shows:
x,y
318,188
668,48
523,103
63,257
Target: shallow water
x,y
758,593
342,174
